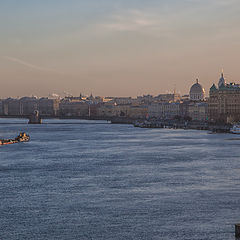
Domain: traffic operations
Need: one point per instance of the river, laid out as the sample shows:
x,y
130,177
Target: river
x,y
95,180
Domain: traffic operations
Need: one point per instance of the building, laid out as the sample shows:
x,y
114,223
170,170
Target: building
x,y
11,107
198,111
224,102
136,111
197,92
145,99
68,108
48,107
169,97
164,110
1,107
122,111
105,110
124,100
28,105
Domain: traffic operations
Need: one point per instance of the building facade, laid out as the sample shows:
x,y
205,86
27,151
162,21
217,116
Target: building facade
x,y
224,102
69,108
28,105
11,107
198,111
48,107
1,107
164,110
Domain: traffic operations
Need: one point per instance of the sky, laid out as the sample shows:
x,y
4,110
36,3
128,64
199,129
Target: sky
x,y
116,47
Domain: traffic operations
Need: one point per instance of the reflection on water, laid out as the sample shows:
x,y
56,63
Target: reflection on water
x,y
103,181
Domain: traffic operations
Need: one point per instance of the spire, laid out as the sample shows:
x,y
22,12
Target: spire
x,y
222,80
197,80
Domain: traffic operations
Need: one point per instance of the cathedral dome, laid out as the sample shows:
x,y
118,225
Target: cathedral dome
x,y
197,92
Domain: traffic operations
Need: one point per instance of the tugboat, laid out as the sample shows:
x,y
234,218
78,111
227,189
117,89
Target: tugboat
x,y
22,137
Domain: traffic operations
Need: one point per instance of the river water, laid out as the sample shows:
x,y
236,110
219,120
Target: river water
x,y
94,180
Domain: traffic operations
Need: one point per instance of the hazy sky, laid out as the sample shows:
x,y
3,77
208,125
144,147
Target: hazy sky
x,y
116,47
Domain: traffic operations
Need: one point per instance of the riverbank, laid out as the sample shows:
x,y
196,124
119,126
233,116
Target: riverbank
x,y
143,123
217,128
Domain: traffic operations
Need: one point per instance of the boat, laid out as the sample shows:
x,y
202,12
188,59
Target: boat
x,y
22,137
235,129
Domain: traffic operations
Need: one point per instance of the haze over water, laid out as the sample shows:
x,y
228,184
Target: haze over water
x,y
104,181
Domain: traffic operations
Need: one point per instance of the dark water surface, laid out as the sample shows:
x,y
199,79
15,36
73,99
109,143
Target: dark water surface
x,y
103,181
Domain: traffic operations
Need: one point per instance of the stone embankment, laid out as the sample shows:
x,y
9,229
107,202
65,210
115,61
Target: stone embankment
x,y
184,125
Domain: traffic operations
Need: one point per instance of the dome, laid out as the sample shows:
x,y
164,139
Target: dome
x,y
197,88
197,92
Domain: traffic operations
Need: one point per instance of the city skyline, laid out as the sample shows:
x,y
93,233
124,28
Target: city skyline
x,y
56,95
118,49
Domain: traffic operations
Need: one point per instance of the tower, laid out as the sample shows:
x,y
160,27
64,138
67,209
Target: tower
x,y
222,80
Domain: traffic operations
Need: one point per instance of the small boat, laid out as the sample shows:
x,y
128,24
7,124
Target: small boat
x,y
235,129
22,137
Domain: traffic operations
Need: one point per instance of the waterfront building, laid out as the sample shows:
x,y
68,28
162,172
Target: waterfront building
x,y
93,110
184,108
122,110
224,102
167,110
198,111
11,107
105,110
137,112
69,108
28,105
1,107
48,107
195,110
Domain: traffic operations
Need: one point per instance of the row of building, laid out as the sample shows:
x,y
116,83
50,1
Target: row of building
x,y
222,105
77,108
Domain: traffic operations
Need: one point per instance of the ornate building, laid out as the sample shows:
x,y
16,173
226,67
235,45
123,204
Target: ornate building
x,y
224,102
197,92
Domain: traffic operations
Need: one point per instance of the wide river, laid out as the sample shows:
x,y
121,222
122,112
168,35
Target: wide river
x,y
94,180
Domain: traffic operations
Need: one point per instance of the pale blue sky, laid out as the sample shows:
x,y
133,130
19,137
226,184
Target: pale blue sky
x,y
116,47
